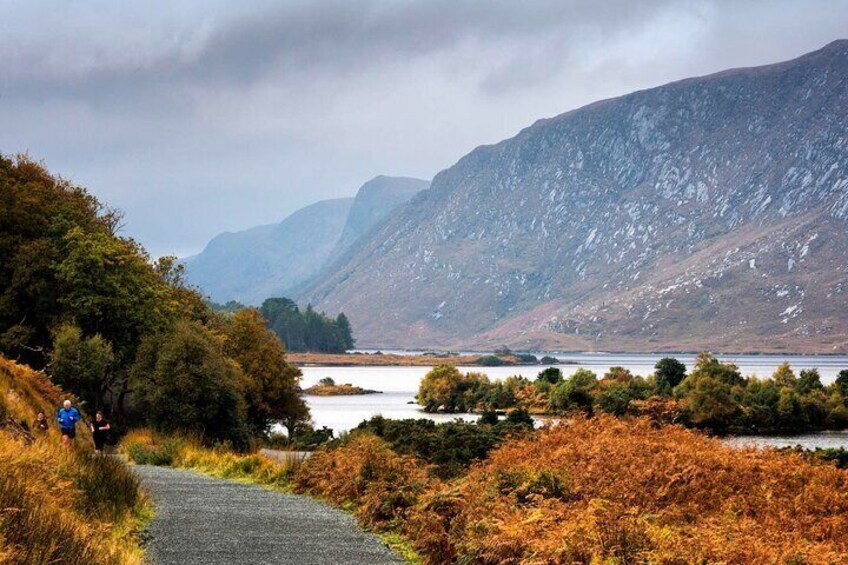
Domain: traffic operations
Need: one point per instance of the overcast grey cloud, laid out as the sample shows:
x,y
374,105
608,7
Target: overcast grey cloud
x,y
197,117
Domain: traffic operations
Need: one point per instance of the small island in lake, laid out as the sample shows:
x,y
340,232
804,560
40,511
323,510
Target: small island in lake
x,y
328,387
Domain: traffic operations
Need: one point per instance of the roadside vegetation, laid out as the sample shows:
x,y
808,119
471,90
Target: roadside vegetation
x,y
713,396
58,505
595,490
588,490
124,333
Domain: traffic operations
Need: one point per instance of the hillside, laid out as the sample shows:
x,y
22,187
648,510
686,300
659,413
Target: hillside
x,y
254,264
374,202
275,260
706,213
89,514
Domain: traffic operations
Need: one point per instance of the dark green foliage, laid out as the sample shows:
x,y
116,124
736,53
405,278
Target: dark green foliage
x,y
548,360
307,330
551,375
186,384
488,418
450,446
668,373
527,358
842,382
519,417
83,365
808,381
615,395
490,361
575,393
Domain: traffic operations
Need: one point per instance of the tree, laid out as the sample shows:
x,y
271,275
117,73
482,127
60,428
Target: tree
x,y
445,388
710,402
809,380
842,382
344,331
438,388
268,384
551,375
186,384
84,365
784,376
668,373
576,392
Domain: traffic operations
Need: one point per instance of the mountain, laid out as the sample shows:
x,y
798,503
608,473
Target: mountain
x,y
375,201
706,213
275,260
254,264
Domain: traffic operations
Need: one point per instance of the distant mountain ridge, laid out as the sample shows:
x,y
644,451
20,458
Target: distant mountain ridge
x,y
274,260
706,213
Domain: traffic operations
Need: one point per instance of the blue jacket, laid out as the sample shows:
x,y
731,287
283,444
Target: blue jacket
x,y
68,418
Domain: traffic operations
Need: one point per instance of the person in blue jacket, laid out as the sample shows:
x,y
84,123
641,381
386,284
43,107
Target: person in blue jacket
x,y
68,416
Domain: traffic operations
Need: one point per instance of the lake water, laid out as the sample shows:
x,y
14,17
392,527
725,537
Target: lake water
x,y
399,385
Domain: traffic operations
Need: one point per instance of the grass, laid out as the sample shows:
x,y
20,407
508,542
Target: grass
x,y
58,505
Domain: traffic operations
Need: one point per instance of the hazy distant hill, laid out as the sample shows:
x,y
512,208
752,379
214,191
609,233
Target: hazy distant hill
x,y
265,261
273,260
709,212
375,201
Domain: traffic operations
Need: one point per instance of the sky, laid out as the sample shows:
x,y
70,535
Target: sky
x,y
197,117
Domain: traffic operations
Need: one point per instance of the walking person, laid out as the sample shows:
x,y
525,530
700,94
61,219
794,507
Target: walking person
x,y
100,432
68,416
41,425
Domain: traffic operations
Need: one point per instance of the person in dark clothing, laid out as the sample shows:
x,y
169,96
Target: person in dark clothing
x,y
68,416
41,424
100,432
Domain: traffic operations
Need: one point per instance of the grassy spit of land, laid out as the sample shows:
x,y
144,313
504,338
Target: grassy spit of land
x,y
396,359
58,505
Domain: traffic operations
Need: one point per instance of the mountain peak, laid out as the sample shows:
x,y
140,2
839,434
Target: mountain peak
x,y
612,225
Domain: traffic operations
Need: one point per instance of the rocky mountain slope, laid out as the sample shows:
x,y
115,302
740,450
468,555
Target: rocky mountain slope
x,y
706,213
375,201
274,260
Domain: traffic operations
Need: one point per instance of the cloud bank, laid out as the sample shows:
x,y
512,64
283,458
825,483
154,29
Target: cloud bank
x,y
199,117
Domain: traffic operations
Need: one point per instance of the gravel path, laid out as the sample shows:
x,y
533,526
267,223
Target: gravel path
x,y
202,520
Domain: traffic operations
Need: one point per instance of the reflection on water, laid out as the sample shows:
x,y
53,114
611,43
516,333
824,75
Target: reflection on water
x,y
341,413
399,385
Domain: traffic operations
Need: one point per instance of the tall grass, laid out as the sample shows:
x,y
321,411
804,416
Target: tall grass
x,y
146,448
58,505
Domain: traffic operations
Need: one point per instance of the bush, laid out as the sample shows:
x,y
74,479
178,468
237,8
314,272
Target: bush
x,y
451,446
548,360
490,361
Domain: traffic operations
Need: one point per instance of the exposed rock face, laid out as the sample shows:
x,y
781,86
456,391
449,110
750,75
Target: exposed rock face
x,y
252,265
274,260
707,213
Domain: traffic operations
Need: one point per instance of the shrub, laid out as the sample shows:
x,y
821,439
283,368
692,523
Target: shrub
x,y
490,361
668,373
365,473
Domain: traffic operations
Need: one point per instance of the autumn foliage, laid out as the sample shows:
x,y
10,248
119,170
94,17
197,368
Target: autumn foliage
x,y
59,505
598,490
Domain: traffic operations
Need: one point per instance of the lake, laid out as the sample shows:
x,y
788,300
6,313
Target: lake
x,y
399,385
